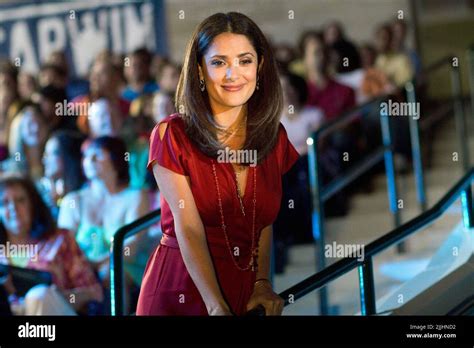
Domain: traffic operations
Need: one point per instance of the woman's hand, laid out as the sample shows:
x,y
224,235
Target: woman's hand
x,y
264,295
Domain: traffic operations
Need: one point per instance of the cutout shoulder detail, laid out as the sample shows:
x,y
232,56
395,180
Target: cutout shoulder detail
x,y
162,129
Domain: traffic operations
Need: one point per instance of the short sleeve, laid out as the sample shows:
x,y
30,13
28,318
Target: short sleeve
x,y
287,154
69,216
167,152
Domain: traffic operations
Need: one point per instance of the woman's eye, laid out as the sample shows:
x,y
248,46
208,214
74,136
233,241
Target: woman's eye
x,y
217,62
246,61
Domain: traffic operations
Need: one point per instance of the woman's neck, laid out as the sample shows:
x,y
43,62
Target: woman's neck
x,y
230,118
231,123
318,78
105,186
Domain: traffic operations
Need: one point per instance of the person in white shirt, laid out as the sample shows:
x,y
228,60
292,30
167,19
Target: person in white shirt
x,y
298,119
106,203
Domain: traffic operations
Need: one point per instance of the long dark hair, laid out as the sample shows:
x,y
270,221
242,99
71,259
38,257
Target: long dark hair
x,y
117,149
70,153
264,106
43,224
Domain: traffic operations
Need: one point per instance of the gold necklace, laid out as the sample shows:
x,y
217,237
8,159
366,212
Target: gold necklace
x,y
253,261
239,193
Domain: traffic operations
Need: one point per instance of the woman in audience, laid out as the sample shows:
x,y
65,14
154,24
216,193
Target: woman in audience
x,y
10,103
323,91
96,211
27,223
167,78
104,85
62,168
396,65
28,134
27,85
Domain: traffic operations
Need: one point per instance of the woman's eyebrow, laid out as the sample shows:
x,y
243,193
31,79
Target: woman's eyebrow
x,y
240,55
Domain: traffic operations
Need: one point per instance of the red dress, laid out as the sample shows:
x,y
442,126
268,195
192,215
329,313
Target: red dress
x,y
167,288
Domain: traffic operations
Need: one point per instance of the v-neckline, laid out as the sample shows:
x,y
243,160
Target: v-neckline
x,y
234,180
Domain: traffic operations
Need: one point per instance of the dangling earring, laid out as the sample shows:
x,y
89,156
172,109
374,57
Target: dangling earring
x,y
202,86
257,86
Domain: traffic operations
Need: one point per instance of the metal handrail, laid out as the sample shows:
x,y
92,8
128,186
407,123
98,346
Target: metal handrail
x,y
410,89
366,284
320,194
117,283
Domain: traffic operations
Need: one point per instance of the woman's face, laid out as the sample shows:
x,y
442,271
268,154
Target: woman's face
x,y
96,163
100,119
229,69
101,78
169,79
33,128
53,165
15,210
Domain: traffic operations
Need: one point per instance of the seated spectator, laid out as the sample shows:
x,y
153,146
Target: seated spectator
x,y
51,101
75,85
284,55
136,133
138,76
335,38
167,78
62,168
399,31
28,134
347,73
323,91
103,119
306,44
104,84
395,65
27,86
374,83
10,103
106,203
25,220
299,119
52,75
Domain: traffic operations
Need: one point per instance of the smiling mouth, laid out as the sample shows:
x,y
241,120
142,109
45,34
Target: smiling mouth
x,y
233,88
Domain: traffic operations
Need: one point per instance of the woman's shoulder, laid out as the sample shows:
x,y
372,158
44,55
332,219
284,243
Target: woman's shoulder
x,y
174,120
174,123
77,194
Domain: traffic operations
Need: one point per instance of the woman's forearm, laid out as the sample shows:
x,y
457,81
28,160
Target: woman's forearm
x,y
197,259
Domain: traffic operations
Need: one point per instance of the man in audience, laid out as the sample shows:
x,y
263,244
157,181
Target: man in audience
x,y
137,73
395,65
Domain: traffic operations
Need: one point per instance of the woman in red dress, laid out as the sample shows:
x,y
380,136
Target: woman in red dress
x,y
218,164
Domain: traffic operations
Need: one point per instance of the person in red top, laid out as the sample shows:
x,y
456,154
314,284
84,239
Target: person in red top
x,y
323,91
218,165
